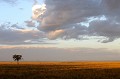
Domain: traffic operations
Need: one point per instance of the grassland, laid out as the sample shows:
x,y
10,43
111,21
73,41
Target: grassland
x,y
60,70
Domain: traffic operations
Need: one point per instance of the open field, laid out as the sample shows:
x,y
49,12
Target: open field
x,y
60,70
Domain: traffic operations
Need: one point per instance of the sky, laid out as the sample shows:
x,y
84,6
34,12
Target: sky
x,y
60,30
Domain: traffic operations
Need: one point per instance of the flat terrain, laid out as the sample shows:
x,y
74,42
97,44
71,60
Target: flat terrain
x,y
60,70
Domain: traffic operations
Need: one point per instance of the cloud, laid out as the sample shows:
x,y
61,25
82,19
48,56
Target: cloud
x,y
10,35
111,6
54,34
38,10
67,16
75,31
63,18
65,12
9,1
111,9
64,15
30,23
108,29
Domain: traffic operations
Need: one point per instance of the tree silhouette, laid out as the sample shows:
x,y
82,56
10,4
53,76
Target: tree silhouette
x,y
17,58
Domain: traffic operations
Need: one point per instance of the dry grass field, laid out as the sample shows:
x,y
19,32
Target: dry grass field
x,y
60,70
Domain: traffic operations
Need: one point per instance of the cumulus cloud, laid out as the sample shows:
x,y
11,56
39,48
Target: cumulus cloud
x,y
67,15
63,18
64,12
63,15
38,10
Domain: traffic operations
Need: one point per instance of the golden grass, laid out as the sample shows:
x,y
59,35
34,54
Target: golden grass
x,y
60,70
76,64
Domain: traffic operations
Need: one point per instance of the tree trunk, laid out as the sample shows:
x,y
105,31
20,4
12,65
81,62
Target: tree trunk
x,y
17,62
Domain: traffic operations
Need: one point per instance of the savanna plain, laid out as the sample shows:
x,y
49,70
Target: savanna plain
x,y
60,70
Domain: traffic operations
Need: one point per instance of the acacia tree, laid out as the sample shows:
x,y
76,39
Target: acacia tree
x,y
17,58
